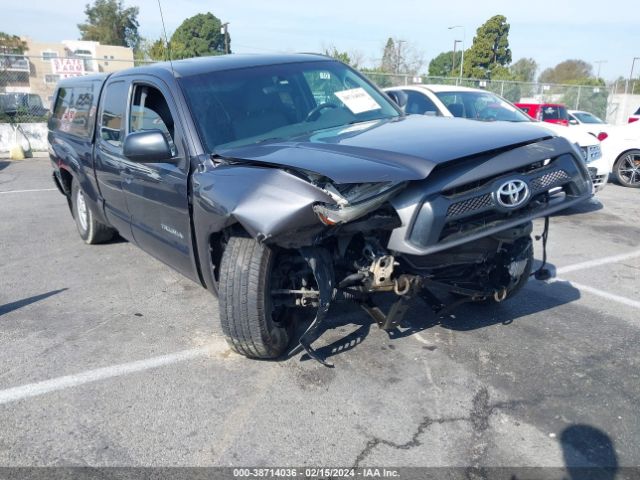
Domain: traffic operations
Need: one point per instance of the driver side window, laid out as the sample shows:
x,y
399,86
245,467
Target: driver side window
x,y
150,111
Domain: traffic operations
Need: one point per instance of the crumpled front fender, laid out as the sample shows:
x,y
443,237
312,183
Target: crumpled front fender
x,y
272,205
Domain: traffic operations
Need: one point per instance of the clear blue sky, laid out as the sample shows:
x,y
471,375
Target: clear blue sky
x,y
550,31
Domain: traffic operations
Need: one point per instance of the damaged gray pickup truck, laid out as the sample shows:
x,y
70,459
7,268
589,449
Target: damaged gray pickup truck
x,y
287,182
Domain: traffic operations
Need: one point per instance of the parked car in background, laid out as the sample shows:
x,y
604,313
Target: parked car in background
x,y
635,117
621,151
546,112
478,104
13,104
587,122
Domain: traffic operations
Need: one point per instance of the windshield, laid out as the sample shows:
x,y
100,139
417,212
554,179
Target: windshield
x,y
484,106
586,117
238,107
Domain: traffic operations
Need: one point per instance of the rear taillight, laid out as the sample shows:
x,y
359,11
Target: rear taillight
x,y
602,135
633,119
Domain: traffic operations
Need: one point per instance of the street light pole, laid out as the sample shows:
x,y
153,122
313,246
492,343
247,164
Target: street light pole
x,y
225,31
453,60
464,39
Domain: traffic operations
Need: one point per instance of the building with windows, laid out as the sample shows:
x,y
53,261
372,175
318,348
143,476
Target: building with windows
x,y
44,63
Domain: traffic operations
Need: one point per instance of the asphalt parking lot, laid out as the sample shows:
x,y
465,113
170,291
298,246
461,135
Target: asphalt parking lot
x,y
107,357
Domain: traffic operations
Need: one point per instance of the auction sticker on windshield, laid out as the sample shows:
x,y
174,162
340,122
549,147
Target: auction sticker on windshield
x,y
357,100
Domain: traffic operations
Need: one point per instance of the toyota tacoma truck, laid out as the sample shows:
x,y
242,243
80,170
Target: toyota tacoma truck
x,y
286,182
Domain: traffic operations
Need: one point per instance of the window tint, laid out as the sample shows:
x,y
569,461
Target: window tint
x,y
586,117
74,110
419,103
248,105
481,105
554,112
113,106
150,111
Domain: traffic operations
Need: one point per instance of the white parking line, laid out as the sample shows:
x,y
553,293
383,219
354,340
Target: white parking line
x,y
68,381
600,293
598,262
32,190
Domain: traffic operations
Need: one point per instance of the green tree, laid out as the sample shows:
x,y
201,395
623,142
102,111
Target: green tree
x,y
198,36
11,44
524,69
569,71
489,50
109,23
389,62
442,65
333,52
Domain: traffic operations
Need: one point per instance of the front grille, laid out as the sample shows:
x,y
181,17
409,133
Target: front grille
x,y
469,205
537,185
548,180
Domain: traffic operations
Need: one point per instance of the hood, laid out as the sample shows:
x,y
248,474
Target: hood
x,y
574,135
407,148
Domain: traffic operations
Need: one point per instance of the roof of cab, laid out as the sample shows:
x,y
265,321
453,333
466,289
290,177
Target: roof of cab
x,y
195,66
70,81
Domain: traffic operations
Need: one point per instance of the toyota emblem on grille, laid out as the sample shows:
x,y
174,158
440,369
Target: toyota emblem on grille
x,y
512,194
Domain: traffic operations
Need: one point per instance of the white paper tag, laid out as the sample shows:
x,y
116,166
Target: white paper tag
x,y
357,100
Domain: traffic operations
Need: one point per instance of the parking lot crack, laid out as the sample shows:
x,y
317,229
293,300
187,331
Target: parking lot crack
x,y
479,415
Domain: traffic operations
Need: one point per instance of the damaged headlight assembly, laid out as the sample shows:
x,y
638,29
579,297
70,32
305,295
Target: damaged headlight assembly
x,y
354,200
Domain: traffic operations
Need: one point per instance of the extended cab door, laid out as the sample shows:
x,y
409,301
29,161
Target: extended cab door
x,y
157,193
109,159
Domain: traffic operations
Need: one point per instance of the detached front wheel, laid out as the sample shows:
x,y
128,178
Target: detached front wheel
x,y
256,321
90,229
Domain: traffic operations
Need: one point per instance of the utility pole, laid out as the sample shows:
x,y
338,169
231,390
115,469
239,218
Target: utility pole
x,y
225,31
599,62
633,64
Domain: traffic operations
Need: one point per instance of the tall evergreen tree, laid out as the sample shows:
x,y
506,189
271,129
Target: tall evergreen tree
x,y
490,49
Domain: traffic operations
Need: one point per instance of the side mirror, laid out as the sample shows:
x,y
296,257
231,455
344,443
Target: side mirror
x,y
573,121
147,146
399,97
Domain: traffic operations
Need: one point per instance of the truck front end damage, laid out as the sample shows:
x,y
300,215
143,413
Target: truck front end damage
x,y
464,230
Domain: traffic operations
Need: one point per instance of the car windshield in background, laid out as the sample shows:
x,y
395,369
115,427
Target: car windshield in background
x,y
586,117
484,106
239,107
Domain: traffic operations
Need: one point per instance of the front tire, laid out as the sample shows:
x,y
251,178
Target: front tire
x,y
244,290
90,229
627,169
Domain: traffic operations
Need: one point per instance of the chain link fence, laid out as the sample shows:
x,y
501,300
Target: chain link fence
x,y
27,84
594,99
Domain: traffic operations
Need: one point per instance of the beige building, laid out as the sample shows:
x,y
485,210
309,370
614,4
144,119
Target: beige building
x,y
44,63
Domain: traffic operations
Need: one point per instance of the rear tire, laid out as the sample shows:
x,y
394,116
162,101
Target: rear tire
x,y
90,229
244,291
627,169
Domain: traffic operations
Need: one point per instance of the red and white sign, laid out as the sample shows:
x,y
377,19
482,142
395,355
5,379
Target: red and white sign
x,y
67,67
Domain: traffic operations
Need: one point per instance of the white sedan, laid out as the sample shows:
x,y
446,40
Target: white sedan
x,y
587,122
621,151
477,104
